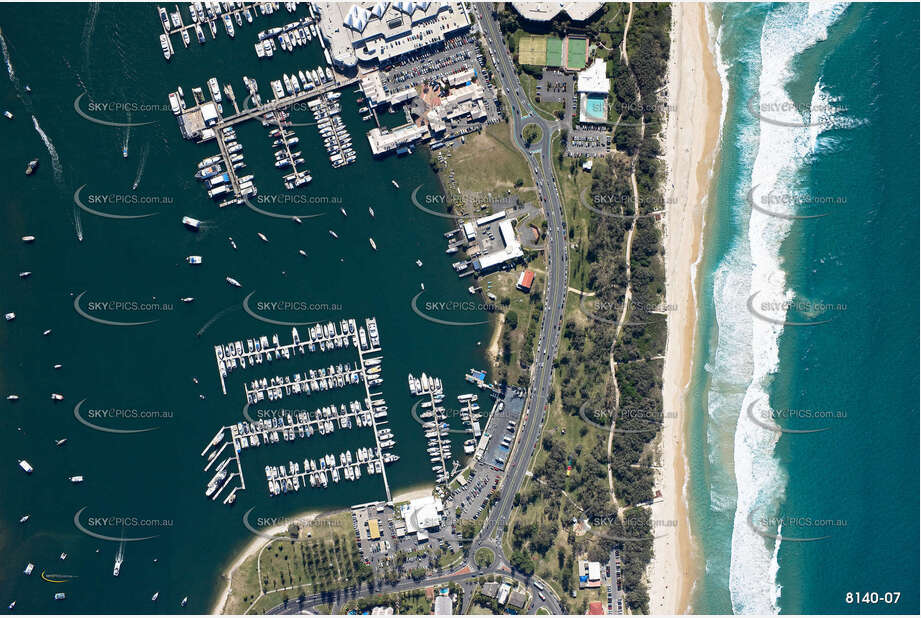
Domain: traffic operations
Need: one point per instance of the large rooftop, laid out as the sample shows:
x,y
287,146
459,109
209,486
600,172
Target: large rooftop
x,y
545,11
380,31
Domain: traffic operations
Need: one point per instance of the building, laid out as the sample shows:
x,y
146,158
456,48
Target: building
x,y
593,86
374,529
517,599
422,514
510,251
382,610
595,608
490,589
504,590
379,32
545,11
589,574
443,606
405,135
525,280
463,102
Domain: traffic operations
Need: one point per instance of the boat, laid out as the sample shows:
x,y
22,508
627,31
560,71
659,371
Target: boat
x,y
12,397
119,558
193,259
262,236
12,605
191,223
344,214
155,596
31,167
395,184
185,38
165,46
232,243
233,282
187,299
373,244
57,396
59,596
296,220
47,332
76,479
9,316
60,442
125,151
333,234
24,519
199,34
185,601
28,239
371,211
419,263
302,252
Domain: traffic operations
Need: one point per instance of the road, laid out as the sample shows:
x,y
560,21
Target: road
x,y
540,159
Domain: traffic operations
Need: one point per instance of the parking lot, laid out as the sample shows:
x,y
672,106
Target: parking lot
x,y
588,141
433,64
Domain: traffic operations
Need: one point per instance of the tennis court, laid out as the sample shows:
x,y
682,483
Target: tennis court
x,y
575,55
532,50
554,52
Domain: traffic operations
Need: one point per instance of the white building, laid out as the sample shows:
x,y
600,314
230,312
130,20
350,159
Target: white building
x,y
401,136
510,252
545,11
422,514
377,32
593,86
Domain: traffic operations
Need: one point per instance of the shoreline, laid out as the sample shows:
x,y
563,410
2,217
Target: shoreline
x,y
251,549
692,138
256,545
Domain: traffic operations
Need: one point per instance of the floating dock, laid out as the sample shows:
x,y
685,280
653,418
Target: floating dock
x,y
289,426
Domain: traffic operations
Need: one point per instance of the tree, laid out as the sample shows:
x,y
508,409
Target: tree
x,y
511,319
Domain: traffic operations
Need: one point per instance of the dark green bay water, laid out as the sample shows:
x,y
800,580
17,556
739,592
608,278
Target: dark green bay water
x,y
112,53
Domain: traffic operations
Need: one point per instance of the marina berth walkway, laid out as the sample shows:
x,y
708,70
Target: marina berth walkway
x,y
291,425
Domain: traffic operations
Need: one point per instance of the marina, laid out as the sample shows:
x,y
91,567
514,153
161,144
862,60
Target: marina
x,y
209,16
322,337
289,426
434,425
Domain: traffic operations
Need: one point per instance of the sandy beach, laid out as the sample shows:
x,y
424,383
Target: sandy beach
x,y
692,135
252,549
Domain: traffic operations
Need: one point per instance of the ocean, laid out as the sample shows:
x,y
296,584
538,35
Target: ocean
x,y
802,439
104,61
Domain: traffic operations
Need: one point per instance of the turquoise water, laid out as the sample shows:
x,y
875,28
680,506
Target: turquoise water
x,y
840,496
594,106
111,52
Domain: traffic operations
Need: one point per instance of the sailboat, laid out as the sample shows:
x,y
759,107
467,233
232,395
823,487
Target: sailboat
x,y
155,596
371,211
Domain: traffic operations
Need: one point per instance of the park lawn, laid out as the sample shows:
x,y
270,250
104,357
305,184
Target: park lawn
x,y
489,164
573,180
528,309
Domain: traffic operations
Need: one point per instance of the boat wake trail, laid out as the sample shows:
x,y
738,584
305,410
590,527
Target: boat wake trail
x,y
141,164
55,159
88,28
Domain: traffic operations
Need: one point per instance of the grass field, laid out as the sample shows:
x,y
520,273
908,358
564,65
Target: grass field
x,y
488,164
329,558
532,50
575,54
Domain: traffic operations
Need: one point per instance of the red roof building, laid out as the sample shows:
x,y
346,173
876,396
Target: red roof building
x,y
525,280
595,609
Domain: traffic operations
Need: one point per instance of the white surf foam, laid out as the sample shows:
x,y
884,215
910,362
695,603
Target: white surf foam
x,y
781,151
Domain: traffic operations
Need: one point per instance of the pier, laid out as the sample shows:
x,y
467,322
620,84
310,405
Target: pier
x,y
289,426
435,429
258,349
